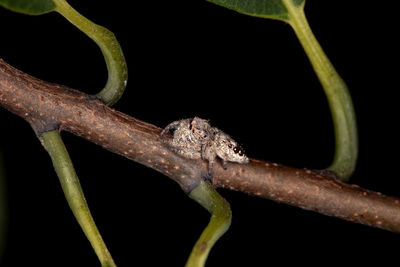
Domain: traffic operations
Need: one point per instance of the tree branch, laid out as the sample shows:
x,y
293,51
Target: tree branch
x,y
49,106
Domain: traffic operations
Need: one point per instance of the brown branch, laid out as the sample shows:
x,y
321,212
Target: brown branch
x,y
49,106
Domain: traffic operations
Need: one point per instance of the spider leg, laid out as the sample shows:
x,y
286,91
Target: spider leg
x,y
208,153
224,163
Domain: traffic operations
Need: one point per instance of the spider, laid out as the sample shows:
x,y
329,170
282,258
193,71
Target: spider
x,y
194,138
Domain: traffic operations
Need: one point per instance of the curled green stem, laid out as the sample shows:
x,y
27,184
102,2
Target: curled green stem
x,y
339,99
73,192
220,221
109,46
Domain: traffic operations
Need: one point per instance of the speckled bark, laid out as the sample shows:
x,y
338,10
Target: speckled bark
x,y
49,106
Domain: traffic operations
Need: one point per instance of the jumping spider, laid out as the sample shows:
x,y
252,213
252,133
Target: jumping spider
x,y
195,138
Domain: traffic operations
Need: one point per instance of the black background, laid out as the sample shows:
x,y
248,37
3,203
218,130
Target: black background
x,y
250,77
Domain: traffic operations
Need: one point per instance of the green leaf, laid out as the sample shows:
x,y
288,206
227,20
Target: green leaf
x,y
274,9
30,7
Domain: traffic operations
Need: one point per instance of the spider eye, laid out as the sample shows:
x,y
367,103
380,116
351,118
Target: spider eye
x,y
238,150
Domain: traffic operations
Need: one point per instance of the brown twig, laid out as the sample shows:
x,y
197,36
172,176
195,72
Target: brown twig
x,y
49,106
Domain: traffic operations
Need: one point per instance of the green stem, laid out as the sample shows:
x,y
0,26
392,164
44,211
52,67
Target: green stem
x,y
339,99
73,192
220,221
112,52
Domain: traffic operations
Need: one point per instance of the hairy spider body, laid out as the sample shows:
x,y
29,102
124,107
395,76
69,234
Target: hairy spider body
x,y
195,138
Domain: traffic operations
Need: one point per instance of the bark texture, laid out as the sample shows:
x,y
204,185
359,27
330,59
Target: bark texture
x,y
48,106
